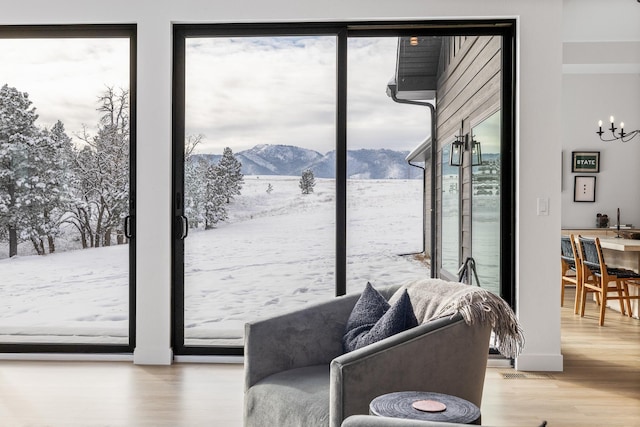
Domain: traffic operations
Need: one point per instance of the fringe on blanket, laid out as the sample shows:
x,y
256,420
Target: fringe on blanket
x,y
480,305
435,298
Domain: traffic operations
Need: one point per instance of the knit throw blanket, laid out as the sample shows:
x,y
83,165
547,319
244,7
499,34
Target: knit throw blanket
x,y
434,298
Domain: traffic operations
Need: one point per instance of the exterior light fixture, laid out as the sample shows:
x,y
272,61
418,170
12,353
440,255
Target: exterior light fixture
x,y
621,136
476,153
457,148
413,41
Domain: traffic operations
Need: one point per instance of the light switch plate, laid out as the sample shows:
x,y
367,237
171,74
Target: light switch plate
x,y
543,206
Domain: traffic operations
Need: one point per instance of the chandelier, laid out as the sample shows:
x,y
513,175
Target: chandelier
x,y
620,136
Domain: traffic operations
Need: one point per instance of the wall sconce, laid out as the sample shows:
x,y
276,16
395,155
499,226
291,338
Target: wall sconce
x,y
476,153
413,41
459,146
622,136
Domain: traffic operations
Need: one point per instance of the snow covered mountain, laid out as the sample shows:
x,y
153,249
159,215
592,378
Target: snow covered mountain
x,y
290,160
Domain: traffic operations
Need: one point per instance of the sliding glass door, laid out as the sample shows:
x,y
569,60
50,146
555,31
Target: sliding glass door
x,y
67,126
294,179
258,180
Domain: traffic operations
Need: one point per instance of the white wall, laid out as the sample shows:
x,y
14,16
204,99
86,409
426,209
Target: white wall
x,y
601,77
539,92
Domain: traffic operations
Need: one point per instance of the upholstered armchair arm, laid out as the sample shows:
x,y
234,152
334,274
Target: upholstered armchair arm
x,y
306,337
445,356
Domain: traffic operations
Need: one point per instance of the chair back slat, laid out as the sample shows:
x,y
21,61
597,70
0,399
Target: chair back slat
x,y
590,256
567,251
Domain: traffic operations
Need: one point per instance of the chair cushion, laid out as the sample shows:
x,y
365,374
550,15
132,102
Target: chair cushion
x,y
373,319
297,397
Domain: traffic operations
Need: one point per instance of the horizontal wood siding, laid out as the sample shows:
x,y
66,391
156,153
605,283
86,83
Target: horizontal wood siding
x,y
468,85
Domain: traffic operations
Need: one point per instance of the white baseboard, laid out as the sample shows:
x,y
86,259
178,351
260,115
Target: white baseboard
x,y
153,355
209,359
539,362
68,357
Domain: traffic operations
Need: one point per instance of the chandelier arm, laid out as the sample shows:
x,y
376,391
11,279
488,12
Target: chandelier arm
x,y
615,138
630,135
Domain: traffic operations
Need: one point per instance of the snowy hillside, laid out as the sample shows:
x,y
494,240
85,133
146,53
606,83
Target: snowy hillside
x,y
275,253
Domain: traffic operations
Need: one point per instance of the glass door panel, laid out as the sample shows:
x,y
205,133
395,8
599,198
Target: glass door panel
x,y
485,223
450,214
259,181
385,199
65,144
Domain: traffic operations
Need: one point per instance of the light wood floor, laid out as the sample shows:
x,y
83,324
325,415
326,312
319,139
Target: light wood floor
x,y
600,386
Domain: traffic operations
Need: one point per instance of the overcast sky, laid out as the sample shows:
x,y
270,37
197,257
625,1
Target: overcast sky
x,y
65,77
240,91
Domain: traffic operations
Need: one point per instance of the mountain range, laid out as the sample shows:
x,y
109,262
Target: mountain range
x,y
290,160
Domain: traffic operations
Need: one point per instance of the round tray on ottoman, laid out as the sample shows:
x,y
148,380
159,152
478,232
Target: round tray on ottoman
x,y
428,406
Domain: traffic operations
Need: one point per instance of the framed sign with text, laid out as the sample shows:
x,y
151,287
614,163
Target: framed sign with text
x,y
585,161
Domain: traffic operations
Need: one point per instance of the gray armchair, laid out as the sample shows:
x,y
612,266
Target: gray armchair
x,y
297,375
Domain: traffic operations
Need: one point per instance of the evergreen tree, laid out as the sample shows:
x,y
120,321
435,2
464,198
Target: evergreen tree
x,y
307,182
45,189
60,156
230,174
17,143
269,188
215,197
195,169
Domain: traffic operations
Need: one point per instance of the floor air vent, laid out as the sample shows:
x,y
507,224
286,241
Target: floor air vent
x,y
525,376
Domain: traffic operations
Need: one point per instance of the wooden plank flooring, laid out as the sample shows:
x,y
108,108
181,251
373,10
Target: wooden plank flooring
x,y
600,386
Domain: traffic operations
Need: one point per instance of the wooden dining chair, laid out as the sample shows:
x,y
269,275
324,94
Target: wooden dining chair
x,y
571,270
608,280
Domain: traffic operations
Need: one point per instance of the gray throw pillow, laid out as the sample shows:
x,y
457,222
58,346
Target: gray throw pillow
x,y
373,319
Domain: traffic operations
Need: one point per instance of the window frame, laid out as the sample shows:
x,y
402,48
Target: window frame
x,y
93,31
342,31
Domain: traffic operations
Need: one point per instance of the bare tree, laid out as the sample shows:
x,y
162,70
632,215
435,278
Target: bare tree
x,y
101,175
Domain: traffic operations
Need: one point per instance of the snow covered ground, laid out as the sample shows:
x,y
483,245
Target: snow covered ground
x,y
275,253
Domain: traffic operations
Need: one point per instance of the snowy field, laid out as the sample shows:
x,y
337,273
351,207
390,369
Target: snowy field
x,y
275,253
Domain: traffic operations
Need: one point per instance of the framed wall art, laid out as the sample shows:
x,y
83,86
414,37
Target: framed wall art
x,y
585,161
584,189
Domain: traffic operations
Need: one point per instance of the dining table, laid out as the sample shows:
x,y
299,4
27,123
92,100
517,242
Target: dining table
x,y
620,252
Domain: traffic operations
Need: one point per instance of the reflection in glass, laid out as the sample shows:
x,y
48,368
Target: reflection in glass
x,y
485,224
450,214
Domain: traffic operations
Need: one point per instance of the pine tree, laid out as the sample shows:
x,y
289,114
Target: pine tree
x,y
269,188
65,154
307,182
50,191
45,189
230,174
195,170
215,197
17,133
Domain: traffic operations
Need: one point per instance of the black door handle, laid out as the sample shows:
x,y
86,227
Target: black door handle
x,y
127,227
184,222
